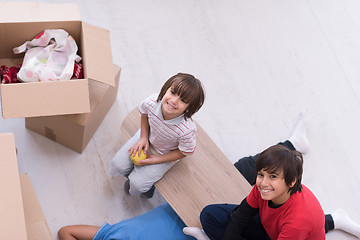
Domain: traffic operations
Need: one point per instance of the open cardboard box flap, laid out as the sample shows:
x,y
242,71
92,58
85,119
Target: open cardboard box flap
x,y
53,98
12,219
36,224
97,51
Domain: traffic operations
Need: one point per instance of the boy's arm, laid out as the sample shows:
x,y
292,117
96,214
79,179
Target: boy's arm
x,y
85,232
168,157
239,218
145,127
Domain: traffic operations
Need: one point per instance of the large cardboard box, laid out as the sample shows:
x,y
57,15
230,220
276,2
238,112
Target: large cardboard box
x,y
51,98
75,131
21,216
12,219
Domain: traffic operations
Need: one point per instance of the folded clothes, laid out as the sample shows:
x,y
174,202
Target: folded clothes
x,y
78,71
9,75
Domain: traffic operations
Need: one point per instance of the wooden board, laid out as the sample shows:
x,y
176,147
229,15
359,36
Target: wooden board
x,y
205,177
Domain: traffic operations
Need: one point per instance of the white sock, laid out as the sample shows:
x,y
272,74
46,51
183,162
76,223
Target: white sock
x,y
299,137
196,232
343,222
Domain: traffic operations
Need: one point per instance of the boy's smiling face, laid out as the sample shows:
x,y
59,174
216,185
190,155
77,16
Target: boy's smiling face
x,y
272,186
172,105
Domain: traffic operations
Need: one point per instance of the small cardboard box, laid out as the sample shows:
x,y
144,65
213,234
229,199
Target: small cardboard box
x,y
21,216
51,98
75,131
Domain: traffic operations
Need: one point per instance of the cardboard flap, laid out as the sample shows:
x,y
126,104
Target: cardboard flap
x,y
51,98
36,224
12,219
38,12
97,55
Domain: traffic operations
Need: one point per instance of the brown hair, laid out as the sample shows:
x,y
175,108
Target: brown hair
x,y
280,157
188,88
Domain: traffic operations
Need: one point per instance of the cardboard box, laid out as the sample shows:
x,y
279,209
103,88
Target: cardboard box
x,y
12,219
51,98
75,131
36,225
21,216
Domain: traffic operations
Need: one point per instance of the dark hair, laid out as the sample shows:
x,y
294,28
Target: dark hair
x,y
188,88
279,157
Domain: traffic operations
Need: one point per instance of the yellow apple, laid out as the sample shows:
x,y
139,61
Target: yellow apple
x,y
135,159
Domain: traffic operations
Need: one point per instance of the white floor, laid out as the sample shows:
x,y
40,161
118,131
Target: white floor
x,y
261,62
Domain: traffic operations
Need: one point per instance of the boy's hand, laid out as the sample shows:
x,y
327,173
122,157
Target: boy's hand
x,y
149,161
143,143
167,157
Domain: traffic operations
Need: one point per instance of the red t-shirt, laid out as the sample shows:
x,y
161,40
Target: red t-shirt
x,y
301,217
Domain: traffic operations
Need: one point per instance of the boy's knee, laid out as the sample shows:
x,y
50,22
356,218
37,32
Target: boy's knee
x,y
216,214
117,169
136,188
206,215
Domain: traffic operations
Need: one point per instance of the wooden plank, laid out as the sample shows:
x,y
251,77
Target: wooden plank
x,y
203,178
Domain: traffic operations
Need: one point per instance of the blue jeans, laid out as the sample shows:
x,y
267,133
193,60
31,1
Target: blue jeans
x,y
214,220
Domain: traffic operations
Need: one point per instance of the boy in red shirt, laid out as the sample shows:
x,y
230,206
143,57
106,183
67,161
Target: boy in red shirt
x,y
287,209
279,206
